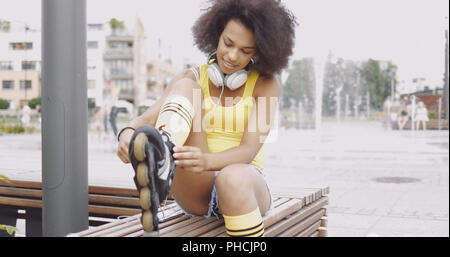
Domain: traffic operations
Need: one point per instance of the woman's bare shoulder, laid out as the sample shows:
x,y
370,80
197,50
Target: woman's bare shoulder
x,y
267,87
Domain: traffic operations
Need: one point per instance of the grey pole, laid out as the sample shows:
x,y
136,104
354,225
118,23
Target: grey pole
x,y
446,77
64,117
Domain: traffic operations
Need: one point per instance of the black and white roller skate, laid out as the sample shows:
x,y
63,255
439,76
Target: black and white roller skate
x,y
151,154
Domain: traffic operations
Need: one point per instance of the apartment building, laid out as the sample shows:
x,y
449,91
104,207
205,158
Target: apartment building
x,y
125,65
20,64
96,33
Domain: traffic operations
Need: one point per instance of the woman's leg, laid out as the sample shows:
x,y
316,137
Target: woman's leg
x,y
192,190
243,199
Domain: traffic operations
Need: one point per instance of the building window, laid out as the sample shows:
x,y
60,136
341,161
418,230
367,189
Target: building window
x,y
21,46
91,84
92,44
28,65
95,26
6,65
25,84
8,84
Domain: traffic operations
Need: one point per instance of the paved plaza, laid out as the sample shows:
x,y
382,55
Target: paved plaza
x,y
382,182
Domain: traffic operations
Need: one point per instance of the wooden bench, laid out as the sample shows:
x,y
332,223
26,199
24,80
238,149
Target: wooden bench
x,y
431,125
23,200
299,214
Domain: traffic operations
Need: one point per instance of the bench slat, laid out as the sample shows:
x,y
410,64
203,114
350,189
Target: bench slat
x,y
92,189
308,231
299,227
296,217
20,202
114,200
12,191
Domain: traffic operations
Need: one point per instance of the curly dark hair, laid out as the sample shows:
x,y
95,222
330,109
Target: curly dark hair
x,y
272,24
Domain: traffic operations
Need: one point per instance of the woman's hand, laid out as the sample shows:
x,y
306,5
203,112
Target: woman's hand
x,y
190,158
122,151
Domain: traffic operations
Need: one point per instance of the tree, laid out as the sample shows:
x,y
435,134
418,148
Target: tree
x,y
34,102
377,81
343,76
5,26
116,24
299,86
4,104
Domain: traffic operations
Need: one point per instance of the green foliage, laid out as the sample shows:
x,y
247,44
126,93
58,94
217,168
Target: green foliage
x,y
4,178
350,78
299,86
344,75
4,104
5,25
34,102
116,24
378,81
9,229
91,103
434,115
12,129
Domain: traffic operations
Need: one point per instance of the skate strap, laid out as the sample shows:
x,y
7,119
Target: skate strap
x,y
163,172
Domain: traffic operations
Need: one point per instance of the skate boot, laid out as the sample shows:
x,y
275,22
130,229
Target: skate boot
x,y
151,155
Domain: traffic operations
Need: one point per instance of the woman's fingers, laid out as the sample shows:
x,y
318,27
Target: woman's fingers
x,y
184,163
122,152
186,155
179,149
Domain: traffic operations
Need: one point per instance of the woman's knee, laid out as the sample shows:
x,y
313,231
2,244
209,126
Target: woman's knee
x,y
233,180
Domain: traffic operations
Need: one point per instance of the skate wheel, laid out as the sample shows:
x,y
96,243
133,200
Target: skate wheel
x,y
139,146
147,221
144,198
142,174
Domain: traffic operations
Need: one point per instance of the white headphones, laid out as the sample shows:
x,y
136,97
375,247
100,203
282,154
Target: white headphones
x,y
231,81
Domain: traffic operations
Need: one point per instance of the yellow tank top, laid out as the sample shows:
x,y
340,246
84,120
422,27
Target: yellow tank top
x,y
227,125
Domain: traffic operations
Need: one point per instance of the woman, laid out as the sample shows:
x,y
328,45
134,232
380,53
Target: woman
x,y
403,116
421,116
209,117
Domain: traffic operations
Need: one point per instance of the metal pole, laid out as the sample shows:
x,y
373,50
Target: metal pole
x,y
338,104
64,117
446,95
439,113
413,113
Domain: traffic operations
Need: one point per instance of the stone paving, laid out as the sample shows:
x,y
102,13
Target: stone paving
x,y
383,183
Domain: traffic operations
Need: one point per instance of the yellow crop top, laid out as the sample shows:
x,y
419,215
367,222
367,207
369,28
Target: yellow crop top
x,y
226,127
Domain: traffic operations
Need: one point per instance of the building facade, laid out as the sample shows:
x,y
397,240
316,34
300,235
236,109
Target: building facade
x,y
20,65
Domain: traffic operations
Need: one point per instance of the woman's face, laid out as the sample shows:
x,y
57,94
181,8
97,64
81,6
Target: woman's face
x,y
236,47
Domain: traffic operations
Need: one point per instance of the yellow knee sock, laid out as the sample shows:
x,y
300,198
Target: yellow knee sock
x,y
247,225
175,118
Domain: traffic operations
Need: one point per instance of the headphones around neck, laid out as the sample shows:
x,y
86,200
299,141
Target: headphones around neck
x,y
231,81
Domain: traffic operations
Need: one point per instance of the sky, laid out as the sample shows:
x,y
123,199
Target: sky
x,y
410,33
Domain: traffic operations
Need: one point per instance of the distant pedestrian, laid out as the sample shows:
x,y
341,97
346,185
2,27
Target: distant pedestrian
x,y
97,124
112,119
26,116
421,116
402,116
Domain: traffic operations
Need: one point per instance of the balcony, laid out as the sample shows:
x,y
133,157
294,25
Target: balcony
x,y
118,74
115,54
126,94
